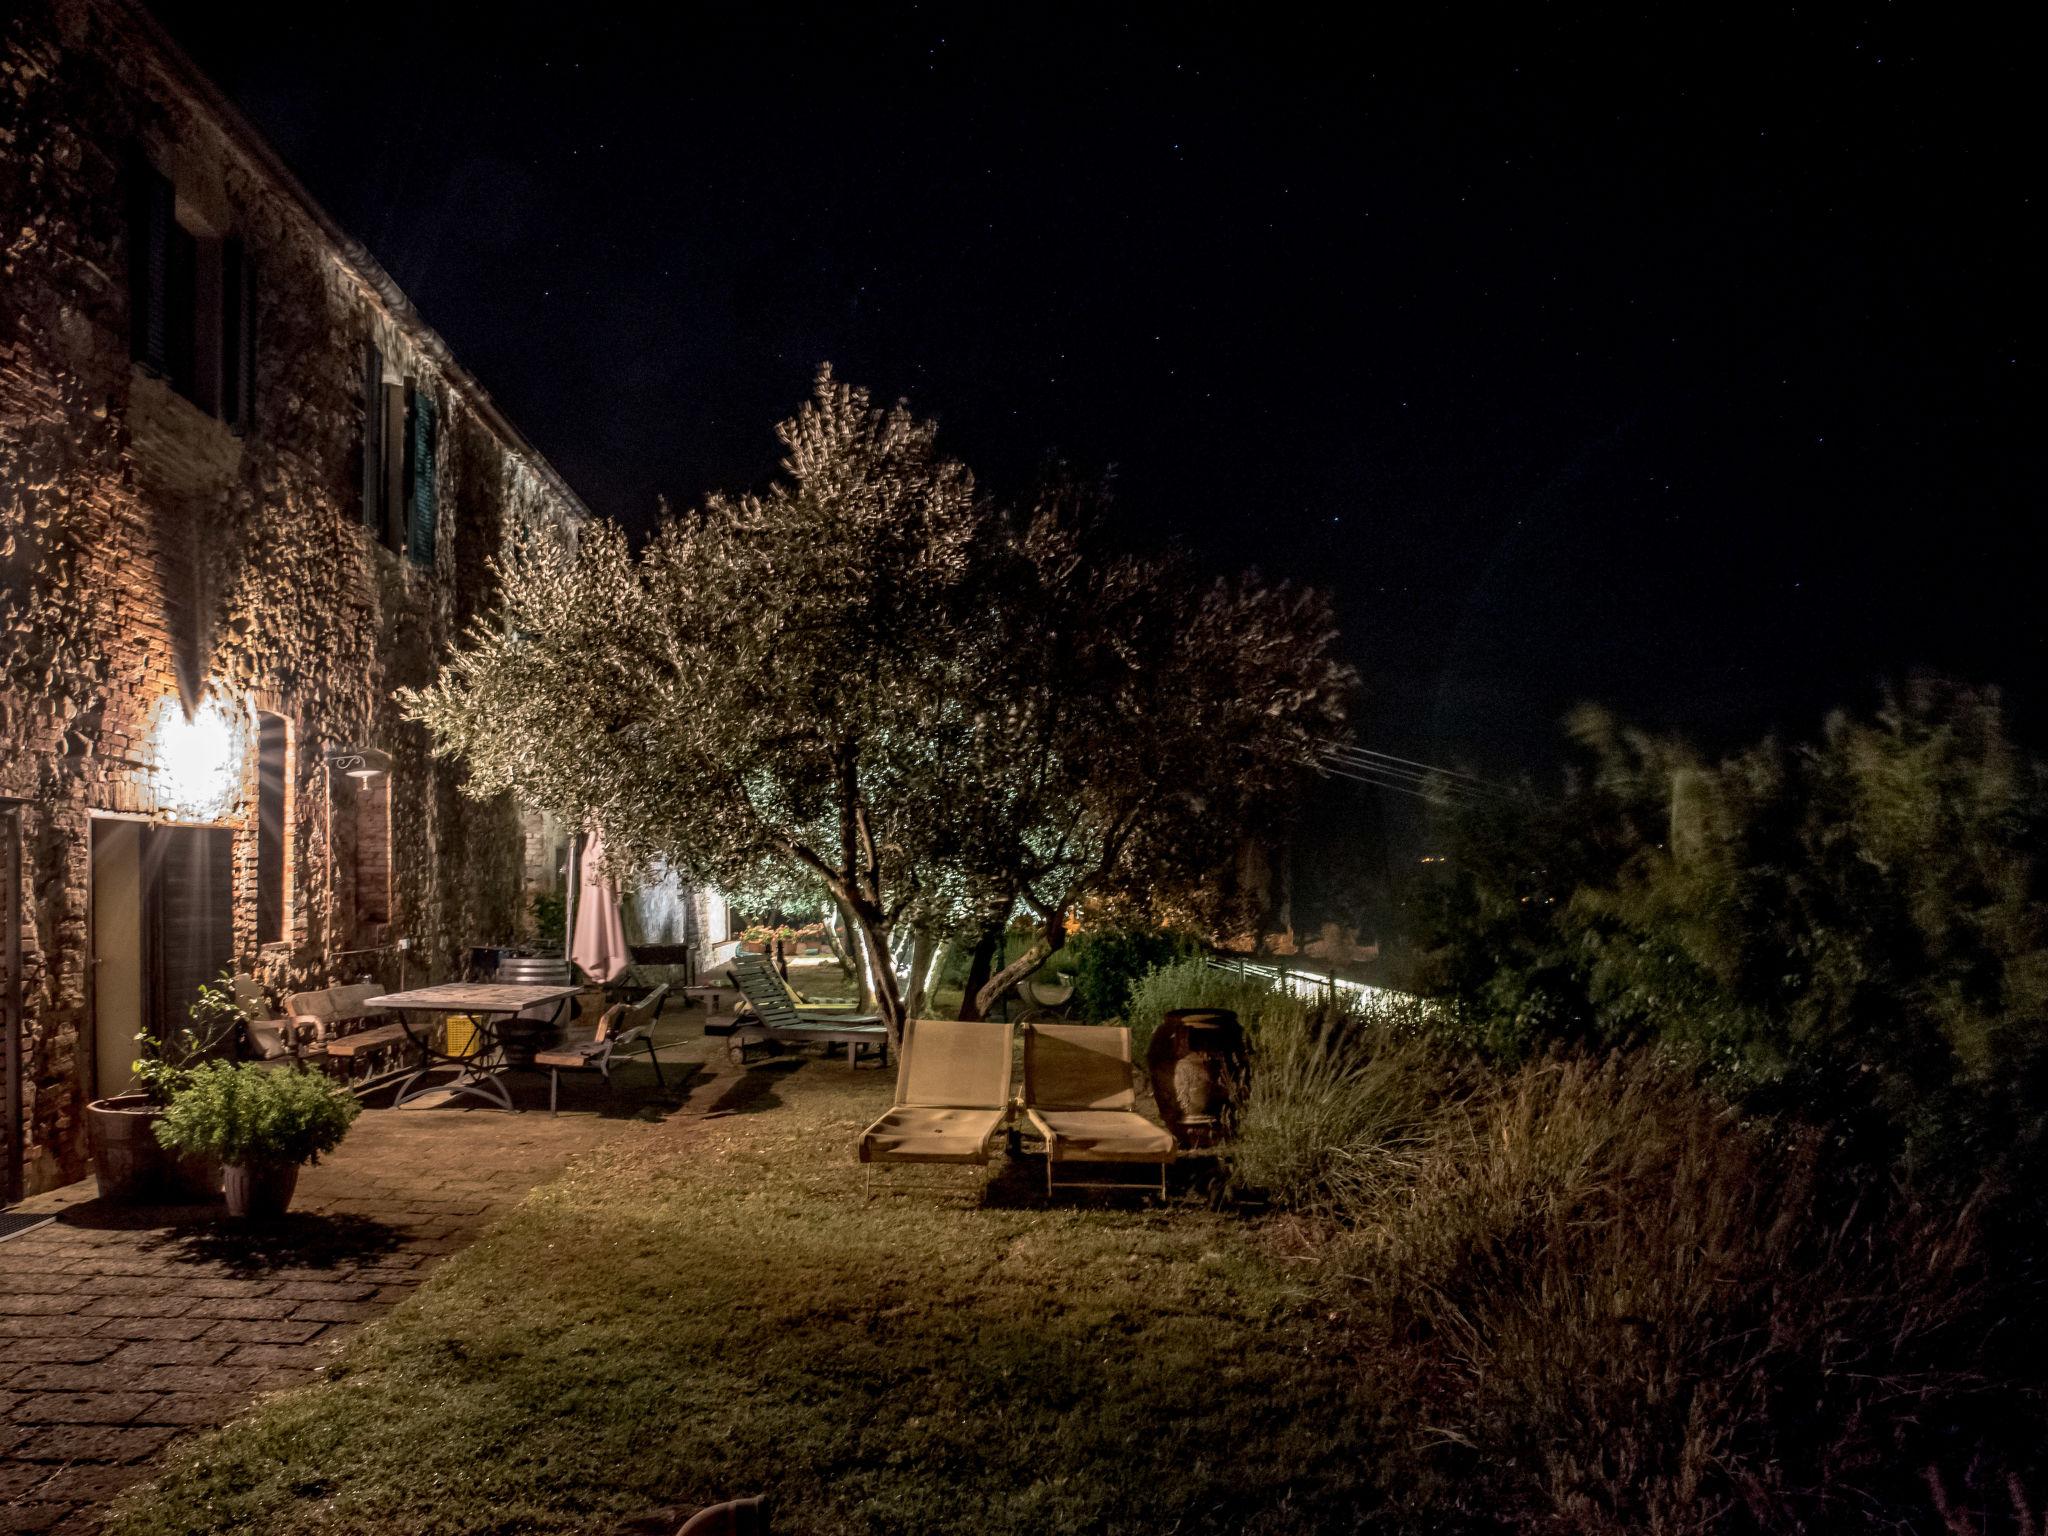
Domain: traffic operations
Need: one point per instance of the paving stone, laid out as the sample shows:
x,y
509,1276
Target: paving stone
x,y
319,1290
182,1408
206,1380
37,1304
58,1376
29,1351
208,1286
137,1306
32,1517
152,1327
295,1329
274,1354
316,1312
100,1442
93,1482
80,1407
17,1477
46,1325
151,1352
215,1307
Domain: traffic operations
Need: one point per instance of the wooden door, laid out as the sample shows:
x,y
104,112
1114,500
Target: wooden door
x,y
188,907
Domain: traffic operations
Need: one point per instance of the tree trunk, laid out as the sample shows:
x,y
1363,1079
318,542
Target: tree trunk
x,y
924,954
1052,937
845,937
874,936
977,973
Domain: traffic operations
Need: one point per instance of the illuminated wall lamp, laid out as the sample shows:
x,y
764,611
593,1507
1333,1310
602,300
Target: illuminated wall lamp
x,y
360,763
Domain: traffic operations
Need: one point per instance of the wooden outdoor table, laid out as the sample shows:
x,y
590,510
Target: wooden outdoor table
x,y
488,1005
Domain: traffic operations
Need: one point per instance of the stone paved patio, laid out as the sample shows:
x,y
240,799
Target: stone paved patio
x,y
121,1328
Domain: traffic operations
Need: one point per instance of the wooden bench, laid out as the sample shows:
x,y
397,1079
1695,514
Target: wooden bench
x,y
337,1019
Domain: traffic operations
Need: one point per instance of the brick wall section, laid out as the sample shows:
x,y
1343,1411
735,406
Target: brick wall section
x,y
150,555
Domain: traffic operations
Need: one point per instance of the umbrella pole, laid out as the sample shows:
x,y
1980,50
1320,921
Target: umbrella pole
x,y
570,905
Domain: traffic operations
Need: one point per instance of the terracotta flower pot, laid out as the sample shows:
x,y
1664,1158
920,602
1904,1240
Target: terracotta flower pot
x,y
132,1167
1200,1073
259,1191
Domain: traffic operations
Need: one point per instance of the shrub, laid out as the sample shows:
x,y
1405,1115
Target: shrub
x,y
1340,1101
1853,931
1195,983
251,1114
1107,963
1619,1308
166,1065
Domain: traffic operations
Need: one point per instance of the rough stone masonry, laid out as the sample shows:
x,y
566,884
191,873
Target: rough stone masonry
x,y
245,494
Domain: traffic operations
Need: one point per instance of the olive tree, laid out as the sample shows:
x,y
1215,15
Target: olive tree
x,y
769,683
873,678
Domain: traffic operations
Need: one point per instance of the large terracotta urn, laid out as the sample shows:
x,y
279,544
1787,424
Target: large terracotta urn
x,y
1201,1073
132,1167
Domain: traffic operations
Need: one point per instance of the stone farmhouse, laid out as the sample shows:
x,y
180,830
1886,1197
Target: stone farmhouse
x,y
245,494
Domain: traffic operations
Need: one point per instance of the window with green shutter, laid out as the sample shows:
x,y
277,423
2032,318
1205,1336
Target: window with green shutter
x,y
373,438
420,486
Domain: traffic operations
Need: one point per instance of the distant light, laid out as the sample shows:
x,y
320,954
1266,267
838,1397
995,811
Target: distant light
x,y
197,762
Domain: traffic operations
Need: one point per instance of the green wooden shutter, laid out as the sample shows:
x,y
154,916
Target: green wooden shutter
x,y
421,508
152,205
238,334
373,438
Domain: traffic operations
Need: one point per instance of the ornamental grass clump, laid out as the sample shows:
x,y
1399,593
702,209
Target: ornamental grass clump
x,y
248,1114
1620,1307
1342,1103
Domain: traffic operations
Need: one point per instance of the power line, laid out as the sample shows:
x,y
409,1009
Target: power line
x,y
1336,749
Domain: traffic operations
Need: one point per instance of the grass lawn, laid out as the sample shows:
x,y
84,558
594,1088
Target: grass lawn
x,y
708,1308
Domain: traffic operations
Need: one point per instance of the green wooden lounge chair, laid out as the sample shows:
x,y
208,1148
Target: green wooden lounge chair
x,y
777,1021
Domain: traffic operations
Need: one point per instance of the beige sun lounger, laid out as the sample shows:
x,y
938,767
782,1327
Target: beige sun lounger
x,y
1078,1096
952,1095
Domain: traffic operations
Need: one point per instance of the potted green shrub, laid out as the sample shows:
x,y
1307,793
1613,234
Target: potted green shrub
x,y
262,1125
129,1163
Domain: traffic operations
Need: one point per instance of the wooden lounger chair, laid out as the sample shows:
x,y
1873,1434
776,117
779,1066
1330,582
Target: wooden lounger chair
x,y
775,1018
797,1000
952,1095
1078,1096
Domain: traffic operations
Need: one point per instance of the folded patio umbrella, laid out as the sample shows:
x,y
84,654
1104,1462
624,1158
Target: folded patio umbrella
x,y
599,945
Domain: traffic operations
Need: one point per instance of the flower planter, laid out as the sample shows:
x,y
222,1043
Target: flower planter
x,y
132,1167
1200,1073
259,1191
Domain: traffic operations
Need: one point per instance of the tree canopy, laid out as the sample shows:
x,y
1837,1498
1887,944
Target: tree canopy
x,y
876,677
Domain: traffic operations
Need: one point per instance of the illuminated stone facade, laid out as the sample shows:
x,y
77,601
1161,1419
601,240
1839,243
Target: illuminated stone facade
x,y
188,573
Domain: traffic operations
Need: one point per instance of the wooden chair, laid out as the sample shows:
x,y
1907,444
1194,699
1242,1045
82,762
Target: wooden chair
x,y
1078,1096
952,1095
623,1024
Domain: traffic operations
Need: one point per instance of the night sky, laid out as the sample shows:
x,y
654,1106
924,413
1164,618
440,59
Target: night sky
x,y
1677,362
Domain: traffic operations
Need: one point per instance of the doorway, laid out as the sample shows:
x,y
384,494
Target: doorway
x,y
162,923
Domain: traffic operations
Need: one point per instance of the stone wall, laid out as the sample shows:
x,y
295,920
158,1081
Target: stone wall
x,y
155,562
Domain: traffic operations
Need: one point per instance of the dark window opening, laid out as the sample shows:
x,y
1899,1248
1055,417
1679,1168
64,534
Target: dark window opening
x,y
273,737
401,447
191,300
